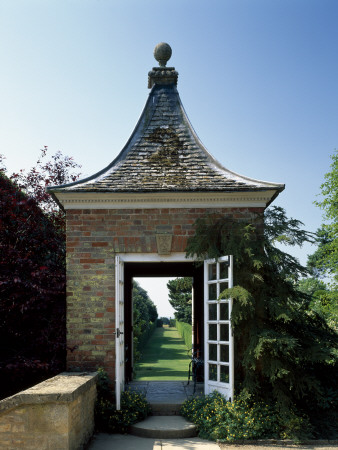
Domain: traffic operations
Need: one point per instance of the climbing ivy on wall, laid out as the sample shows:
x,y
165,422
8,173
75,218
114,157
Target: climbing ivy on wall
x,y
284,351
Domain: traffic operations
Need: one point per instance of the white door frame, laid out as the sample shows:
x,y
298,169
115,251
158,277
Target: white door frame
x,y
154,257
172,258
120,259
119,330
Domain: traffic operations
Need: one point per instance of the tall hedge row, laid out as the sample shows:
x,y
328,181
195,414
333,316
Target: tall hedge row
x,y
185,330
145,336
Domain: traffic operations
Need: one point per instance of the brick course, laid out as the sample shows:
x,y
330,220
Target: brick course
x,y
94,237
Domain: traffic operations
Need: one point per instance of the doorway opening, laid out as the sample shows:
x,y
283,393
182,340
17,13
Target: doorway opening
x,y
167,334
159,352
212,331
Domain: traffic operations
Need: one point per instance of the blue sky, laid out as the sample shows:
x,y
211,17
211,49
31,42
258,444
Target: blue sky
x,y
258,79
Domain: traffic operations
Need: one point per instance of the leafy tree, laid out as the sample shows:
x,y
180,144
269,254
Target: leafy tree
x,y
180,298
327,254
59,169
316,261
324,262
323,301
32,276
165,320
322,286
312,286
285,352
324,294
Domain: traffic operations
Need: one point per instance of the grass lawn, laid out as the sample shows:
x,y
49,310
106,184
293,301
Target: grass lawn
x,y
165,357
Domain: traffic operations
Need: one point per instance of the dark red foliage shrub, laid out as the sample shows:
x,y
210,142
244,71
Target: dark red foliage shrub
x,y
32,282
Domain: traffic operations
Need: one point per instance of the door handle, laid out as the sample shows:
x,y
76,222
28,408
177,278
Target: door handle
x,y
118,332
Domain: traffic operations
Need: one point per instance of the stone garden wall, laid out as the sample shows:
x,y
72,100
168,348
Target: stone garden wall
x,y
56,414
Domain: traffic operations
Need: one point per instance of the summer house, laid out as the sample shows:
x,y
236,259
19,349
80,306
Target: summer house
x,y
133,218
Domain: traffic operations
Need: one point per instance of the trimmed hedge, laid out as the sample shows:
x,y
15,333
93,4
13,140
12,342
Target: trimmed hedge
x,y
145,336
185,330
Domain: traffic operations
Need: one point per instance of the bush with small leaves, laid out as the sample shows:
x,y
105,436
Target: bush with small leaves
x,y
134,407
243,419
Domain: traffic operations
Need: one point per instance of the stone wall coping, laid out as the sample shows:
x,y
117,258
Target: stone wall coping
x,y
63,388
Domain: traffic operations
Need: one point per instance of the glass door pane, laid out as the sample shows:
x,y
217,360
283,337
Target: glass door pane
x,y
218,347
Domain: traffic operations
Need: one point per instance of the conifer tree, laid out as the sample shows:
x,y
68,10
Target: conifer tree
x,y
284,351
180,298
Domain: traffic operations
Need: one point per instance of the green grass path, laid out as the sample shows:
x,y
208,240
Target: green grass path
x,y
165,357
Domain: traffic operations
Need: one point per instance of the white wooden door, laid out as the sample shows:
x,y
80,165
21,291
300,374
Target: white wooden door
x,y
218,341
119,329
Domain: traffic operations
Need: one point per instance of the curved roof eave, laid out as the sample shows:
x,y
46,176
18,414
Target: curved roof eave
x,y
118,158
218,165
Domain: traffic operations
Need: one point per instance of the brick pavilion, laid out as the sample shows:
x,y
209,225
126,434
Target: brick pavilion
x,y
133,218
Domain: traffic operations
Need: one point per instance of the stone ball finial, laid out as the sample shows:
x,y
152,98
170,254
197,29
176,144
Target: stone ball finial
x,y
162,53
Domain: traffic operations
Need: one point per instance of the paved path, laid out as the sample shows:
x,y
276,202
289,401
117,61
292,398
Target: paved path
x,y
166,391
104,441
127,442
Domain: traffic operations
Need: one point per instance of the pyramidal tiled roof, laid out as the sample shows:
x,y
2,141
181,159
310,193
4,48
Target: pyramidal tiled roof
x,y
164,153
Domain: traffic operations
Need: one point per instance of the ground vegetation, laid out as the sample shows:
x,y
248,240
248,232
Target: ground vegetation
x,y
242,419
134,407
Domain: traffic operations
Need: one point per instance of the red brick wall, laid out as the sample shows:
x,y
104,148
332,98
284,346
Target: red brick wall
x,y
94,237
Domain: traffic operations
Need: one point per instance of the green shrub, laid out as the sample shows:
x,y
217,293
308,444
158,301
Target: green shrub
x,y
141,340
134,408
185,330
294,426
243,419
